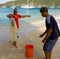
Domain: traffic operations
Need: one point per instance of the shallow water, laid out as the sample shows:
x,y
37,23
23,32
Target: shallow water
x,y
34,12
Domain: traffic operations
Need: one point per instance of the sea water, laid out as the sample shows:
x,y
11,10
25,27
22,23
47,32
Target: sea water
x,y
33,12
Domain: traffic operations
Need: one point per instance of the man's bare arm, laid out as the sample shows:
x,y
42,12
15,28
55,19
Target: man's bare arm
x,y
43,33
23,16
48,33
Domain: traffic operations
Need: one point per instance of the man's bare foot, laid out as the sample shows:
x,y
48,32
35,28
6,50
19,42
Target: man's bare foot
x,y
44,58
15,44
40,58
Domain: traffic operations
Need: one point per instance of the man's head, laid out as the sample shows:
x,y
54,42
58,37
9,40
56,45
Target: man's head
x,y
15,11
44,11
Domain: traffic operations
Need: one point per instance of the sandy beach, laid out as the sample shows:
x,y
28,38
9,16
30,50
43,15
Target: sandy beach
x,y
29,34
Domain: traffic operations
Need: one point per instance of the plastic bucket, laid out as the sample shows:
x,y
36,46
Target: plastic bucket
x,y
29,51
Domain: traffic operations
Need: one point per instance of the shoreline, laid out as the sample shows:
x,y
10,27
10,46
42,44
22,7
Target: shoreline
x,y
29,27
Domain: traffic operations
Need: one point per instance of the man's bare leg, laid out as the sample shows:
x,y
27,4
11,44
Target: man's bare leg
x,y
47,55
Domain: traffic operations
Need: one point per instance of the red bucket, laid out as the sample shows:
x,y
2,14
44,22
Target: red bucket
x,y
29,51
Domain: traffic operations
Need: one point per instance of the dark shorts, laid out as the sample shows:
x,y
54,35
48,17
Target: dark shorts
x,y
49,44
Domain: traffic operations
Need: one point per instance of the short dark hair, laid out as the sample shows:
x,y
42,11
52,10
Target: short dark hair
x,y
15,9
42,9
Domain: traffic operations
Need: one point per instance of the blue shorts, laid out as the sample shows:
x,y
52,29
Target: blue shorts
x,y
49,44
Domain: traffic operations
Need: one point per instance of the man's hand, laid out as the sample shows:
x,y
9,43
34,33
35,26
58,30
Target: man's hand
x,y
41,35
13,16
43,41
28,15
10,15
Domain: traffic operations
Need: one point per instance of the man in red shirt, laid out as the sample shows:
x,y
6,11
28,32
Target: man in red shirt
x,y
16,20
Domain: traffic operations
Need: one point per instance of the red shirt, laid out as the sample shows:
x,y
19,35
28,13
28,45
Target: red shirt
x,y
16,18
